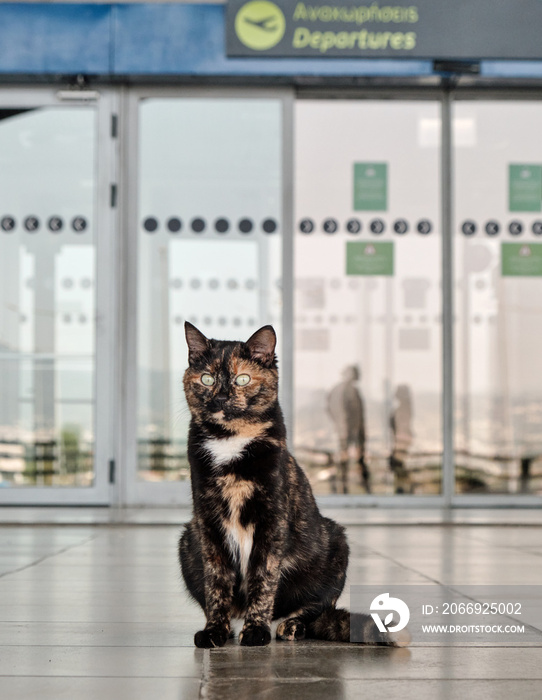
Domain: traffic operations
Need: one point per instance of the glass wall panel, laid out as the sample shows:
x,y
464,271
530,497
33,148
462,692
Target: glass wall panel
x,y
368,296
498,296
209,249
47,296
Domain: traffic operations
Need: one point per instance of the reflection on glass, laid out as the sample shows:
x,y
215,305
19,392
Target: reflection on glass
x,y
47,297
345,406
368,329
402,437
498,297
209,250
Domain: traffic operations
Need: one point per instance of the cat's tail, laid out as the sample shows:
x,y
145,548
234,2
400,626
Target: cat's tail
x,y
339,625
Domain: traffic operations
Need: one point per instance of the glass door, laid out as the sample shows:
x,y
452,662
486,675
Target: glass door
x,y
56,271
368,326
206,234
349,249
498,298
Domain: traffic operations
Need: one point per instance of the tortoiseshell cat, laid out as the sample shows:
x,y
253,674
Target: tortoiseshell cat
x,y
257,546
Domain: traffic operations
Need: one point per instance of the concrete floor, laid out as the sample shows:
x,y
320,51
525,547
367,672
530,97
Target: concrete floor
x,y
99,610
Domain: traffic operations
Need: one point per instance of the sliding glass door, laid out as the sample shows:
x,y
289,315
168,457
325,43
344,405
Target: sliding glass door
x,y
208,229
56,319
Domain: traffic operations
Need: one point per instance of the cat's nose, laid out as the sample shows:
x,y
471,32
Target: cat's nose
x,y
221,398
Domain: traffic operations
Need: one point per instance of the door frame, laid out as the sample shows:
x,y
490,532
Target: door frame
x,y
444,499
105,100
488,95
133,491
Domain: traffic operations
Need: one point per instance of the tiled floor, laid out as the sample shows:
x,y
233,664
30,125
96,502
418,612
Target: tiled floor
x,y
99,611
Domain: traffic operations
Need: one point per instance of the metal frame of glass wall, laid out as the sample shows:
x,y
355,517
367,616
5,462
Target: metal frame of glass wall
x,y
164,493
117,264
104,101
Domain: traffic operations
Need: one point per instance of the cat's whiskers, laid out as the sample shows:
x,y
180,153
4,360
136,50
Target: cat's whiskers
x,y
180,413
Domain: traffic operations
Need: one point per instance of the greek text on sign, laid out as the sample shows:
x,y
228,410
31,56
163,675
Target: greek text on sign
x,y
433,29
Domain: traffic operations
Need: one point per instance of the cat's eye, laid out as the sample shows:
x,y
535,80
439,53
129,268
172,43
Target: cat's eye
x,y
207,379
242,380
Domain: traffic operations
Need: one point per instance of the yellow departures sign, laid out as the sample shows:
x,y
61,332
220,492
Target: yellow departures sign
x,y
324,41
462,30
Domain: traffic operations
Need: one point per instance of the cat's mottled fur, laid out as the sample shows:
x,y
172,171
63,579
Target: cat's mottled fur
x,y
257,546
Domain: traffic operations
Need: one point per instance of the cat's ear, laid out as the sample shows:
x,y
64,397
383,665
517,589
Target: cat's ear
x,y
262,345
197,342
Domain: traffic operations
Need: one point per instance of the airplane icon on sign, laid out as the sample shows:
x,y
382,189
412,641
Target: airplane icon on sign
x,y
263,23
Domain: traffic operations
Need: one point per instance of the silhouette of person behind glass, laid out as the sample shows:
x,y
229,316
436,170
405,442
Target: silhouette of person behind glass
x,y
401,428
345,406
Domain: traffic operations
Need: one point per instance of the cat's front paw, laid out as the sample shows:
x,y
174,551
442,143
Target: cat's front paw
x,y
255,636
211,637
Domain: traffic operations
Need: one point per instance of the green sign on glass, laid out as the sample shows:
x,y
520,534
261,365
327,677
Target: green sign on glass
x,y
369,258
521,259
524,187
370,186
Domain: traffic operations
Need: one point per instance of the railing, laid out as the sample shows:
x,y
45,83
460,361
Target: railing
x,y
46,462
162,459
474,472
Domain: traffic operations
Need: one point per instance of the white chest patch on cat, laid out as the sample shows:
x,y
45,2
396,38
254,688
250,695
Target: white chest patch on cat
x,y
225,450
239,539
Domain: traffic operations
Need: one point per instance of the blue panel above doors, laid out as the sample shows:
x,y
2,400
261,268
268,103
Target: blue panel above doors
x,y
164,39
55,38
